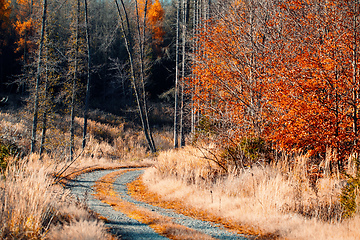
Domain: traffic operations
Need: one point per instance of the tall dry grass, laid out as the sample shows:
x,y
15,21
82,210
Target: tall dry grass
x,y
31,205
27,199
280,198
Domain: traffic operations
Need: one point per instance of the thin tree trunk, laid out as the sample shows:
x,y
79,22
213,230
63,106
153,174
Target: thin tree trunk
x,y
355,90
141,39
87,97
176,144
185,16
194,51
44,123
73,95
129,49
26,32
38,74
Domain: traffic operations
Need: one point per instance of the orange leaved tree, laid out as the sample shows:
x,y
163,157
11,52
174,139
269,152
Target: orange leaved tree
x,y
285,71
229,66
313,102
5,11
27,24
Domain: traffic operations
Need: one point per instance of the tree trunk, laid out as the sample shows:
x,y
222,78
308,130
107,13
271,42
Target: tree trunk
x,y
185,16
129,48
141,39
73,95
87,97
176,93
38,74
194,51
44,123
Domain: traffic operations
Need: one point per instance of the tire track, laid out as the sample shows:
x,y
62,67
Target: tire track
x,y
118,223
129,228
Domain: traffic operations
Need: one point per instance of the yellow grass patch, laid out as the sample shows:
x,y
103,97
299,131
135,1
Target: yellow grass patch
x,y
162,225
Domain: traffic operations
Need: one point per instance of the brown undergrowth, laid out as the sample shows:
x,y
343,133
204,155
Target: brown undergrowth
x,y
162,225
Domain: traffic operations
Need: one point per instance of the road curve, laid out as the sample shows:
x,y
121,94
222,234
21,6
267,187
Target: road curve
x,y
127,228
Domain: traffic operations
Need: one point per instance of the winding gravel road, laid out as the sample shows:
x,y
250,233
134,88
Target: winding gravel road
x,y
128,228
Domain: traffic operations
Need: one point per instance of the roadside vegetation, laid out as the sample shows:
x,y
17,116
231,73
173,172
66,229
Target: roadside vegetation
x,y
285,198
35,205
274,89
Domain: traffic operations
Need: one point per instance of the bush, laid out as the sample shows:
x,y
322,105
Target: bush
x,y
246,153
350,195
5,152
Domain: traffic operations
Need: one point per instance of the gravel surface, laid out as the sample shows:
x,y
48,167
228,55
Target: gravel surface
x,y
120,225
128,228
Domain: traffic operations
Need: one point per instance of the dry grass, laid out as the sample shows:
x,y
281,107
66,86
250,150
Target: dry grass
x,y
27,198
79,230
280,198
108,138
32,206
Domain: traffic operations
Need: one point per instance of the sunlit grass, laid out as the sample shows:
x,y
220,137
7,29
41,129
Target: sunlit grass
x,y
278,199
34,208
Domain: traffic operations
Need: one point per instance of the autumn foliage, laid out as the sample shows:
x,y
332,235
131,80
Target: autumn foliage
x,y
154,17
284,71
26,25
5,11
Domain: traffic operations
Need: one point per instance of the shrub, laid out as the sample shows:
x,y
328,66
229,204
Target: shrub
x,y
350,195
4,153
7,150
246,153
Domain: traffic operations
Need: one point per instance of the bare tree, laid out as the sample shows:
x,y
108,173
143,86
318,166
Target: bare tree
x,y
45,112
137,73
74,81
38,75
185,17
176,144
88,74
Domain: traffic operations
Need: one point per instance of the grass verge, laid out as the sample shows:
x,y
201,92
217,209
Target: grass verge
x,y
140,192
276,199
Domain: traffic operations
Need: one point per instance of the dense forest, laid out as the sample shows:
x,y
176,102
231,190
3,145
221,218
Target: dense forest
x,y
67,39
248,83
